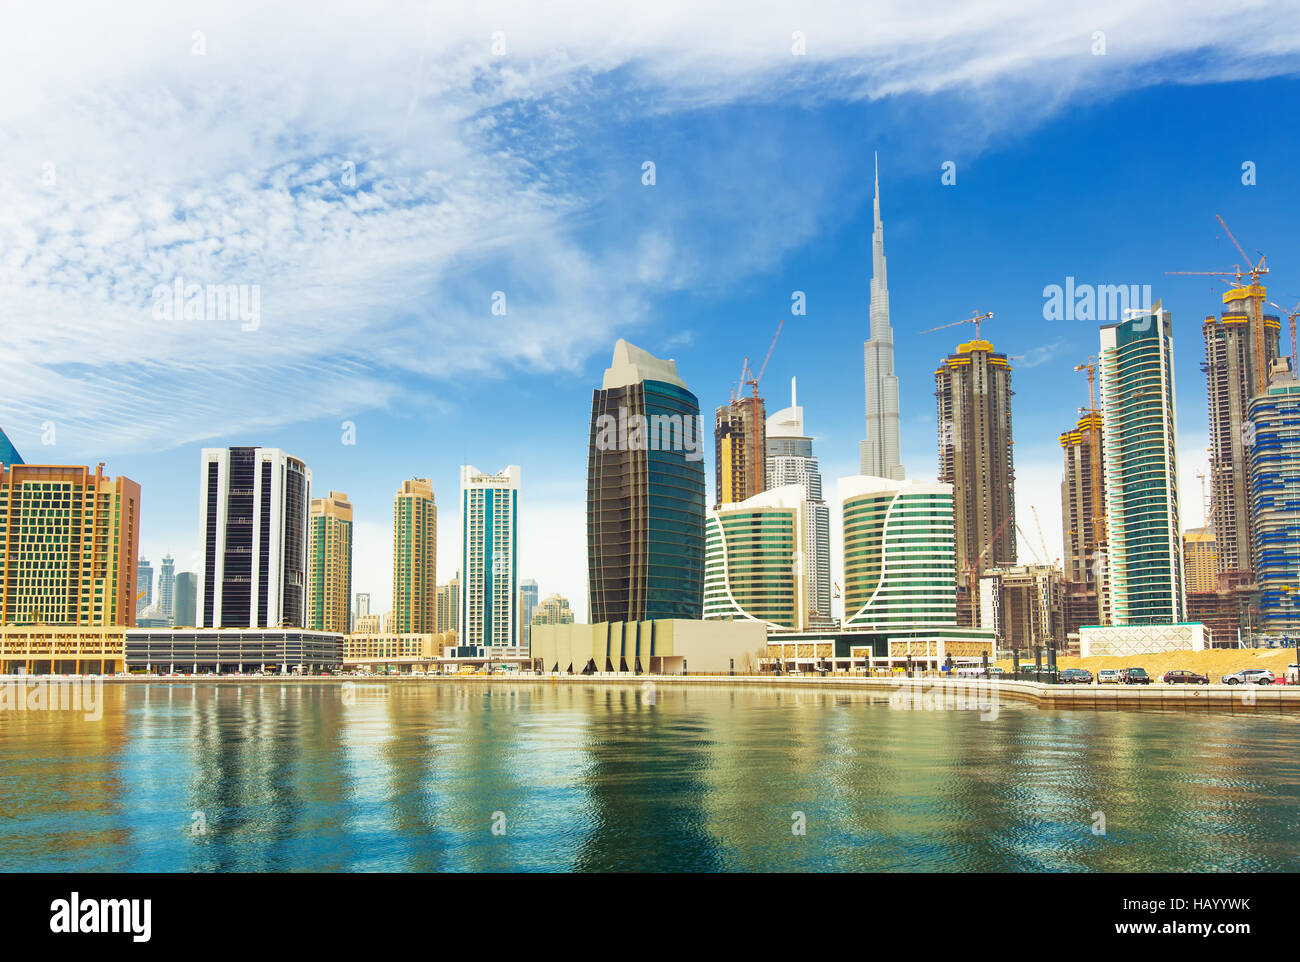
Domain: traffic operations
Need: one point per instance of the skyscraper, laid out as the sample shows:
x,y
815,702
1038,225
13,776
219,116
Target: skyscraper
x,y
330,564
899,564
1200,560
1083,524
790,460
1235,373
415,558
973,390
754,563
553,610
1139,431
187,592
740,443
449,605
167,589
1275,501
69,546
253,512
645,492
879,451
489,588
360,604
527,605
143,585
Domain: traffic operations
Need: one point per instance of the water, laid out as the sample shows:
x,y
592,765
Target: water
x,y
409,776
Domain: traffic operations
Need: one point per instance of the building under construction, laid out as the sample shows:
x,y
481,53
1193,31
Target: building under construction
x,y
1024,606
973,391
1239,353
740,446
1083,523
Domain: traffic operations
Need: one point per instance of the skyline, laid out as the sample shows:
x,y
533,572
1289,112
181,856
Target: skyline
x,y
375,302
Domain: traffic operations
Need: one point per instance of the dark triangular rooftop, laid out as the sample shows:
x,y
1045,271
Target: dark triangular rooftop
x,y
8,455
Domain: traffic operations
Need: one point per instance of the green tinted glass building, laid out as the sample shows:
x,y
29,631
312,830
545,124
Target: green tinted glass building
x,y
1145,546
754,553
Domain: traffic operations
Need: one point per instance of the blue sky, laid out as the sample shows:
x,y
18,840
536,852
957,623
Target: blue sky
x,y
135,158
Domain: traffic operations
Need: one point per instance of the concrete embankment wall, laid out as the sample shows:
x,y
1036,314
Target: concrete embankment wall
x,y
1227,698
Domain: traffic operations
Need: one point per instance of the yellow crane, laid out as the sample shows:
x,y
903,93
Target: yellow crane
x,y
975,319
1255,297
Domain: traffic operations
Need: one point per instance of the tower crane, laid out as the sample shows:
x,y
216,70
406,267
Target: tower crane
x,y
1292,314
1094,451
1255,295
975,319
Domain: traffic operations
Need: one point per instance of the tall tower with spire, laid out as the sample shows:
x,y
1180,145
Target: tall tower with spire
x,y
878,452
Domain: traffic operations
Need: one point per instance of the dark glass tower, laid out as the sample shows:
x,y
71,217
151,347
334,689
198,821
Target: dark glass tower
x,y
645,493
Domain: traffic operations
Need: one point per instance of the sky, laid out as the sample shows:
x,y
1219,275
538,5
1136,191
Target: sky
x,y
381,177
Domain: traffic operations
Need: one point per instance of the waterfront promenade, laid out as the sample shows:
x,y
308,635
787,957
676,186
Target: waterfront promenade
x,y
940,691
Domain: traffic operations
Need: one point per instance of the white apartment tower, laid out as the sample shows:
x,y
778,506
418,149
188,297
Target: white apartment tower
x,y
489,582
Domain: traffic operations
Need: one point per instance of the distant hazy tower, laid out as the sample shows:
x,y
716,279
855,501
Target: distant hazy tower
x,y
973,388
879,451
331,564
187,592
740,444
415,558
790,460
489,588
167,588
1199,559
253,511
645,501
1233,376
143,585
449,605
527,605
1145,546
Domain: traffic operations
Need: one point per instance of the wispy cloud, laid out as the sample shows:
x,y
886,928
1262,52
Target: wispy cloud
x,y
220,145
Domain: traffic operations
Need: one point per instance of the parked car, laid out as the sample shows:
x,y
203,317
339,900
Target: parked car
x,y
1181,676
1109,676
1250,676
1135,676
1075,676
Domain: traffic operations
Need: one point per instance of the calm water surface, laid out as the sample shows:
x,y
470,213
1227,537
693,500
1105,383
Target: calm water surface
x,y
408,776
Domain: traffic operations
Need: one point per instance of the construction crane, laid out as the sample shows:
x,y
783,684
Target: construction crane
x,y
1029,544
972,570
1292,314
753,381
1255,296
975,319
1094,450
1042,542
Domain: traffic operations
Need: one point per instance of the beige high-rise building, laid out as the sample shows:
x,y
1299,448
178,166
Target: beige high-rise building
x,y
415,559
740,445
449,605
69,546
973,391
553,610
329,567
1200,560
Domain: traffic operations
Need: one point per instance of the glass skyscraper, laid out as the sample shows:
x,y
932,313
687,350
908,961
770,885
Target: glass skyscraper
x,y
645,493
1274,450
1139,429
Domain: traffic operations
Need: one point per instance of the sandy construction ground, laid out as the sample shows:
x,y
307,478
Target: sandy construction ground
x,y
1215,662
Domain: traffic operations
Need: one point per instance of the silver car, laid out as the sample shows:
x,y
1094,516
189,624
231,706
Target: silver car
x,y
1250,676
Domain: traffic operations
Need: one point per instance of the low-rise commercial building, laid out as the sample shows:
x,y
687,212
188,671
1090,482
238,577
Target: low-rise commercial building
x,y
61,650
280,650
668,646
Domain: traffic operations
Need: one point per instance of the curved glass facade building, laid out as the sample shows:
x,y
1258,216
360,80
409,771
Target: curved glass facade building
x,y
754,567
1145,556
645,493
900,559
